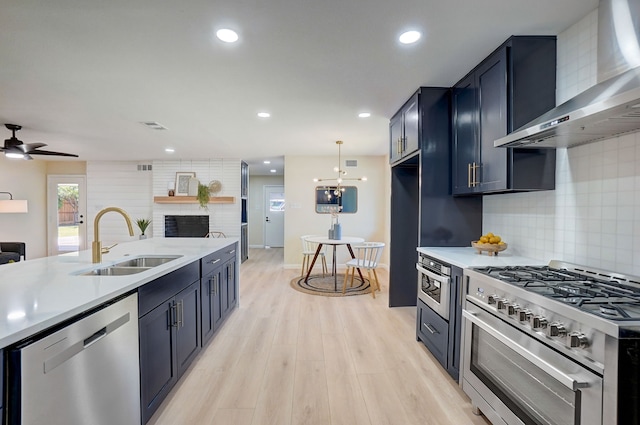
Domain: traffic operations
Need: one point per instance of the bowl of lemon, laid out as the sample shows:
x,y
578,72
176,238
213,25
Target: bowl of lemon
x,y
492,244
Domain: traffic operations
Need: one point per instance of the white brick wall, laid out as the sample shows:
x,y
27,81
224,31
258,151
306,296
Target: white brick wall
x,y
222,217
120,184
593,216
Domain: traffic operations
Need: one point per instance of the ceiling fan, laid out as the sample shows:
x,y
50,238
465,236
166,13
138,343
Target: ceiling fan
x,y
14,148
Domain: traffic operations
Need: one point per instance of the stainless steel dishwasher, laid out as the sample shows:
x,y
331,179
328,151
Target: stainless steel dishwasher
x,y
86,372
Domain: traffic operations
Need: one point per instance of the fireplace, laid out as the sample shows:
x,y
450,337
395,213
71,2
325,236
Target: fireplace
x,y
186,226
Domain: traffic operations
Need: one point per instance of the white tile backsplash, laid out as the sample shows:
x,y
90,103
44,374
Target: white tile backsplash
x,y
593,215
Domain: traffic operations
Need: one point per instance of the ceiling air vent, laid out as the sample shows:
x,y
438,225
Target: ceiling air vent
x,y
154,125
351,163
144,167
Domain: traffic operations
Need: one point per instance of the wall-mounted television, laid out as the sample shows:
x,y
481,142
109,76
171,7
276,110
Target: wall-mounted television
x,y
186,226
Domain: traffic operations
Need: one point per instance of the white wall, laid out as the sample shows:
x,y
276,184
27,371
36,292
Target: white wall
x,y
255,213
371,220
593,216
25,180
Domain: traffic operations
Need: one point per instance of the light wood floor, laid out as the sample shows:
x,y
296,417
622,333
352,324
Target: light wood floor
x,y
288,358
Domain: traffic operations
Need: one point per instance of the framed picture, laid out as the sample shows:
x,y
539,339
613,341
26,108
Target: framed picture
x,y
182,182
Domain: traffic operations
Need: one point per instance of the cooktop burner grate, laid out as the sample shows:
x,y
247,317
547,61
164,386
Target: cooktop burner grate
x,y
610,299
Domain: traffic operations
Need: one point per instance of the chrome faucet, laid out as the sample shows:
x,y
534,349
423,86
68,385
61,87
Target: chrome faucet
x,y
96,246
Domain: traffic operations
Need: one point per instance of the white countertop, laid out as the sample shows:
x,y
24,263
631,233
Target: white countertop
x,y
466,257
36,294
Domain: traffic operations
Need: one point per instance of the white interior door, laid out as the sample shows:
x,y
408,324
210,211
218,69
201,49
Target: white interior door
x,y
66,214
274,216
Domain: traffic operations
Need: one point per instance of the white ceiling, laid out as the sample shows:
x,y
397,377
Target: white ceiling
x,y
80,75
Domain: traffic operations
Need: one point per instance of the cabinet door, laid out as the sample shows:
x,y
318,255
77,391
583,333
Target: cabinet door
x,y
465,139
206,308
231,286
188,329
244,242
395,138
492,97
411,136
158,368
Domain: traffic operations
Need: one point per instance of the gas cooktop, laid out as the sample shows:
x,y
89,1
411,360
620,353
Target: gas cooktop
x,y
608,295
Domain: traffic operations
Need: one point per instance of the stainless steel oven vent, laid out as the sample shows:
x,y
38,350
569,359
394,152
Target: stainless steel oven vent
x,y
608,109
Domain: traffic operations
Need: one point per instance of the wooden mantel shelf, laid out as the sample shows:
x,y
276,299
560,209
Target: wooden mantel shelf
x,y
193,199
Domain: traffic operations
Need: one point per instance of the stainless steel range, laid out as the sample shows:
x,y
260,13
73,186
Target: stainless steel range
x,y
557,344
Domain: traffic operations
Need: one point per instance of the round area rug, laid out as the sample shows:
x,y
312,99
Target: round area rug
x,y
318,285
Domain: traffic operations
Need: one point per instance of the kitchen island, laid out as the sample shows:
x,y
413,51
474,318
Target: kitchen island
x,y
40,293
178,292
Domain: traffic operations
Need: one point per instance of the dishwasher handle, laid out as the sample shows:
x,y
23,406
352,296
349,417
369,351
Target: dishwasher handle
x,y
73,350
95,337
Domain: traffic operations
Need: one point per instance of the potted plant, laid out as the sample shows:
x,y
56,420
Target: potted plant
x,y
203,195
143,223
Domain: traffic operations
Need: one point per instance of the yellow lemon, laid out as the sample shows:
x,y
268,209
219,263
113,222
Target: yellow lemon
x,y
493,240
501,243
484,239
489,235
498,238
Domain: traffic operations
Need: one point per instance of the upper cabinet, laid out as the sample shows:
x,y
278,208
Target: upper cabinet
x,y
403,130
514,85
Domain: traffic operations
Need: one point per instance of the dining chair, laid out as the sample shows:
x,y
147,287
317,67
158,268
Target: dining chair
x,y
215,234
308,251
367,256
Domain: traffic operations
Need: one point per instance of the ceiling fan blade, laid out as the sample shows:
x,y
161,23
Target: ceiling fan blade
x,y
50,153
28,147
28,157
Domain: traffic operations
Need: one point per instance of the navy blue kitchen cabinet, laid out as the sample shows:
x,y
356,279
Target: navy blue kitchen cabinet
x,y
433,331
215,283
211,303
404,131
423,210
230,286
169,333
513,86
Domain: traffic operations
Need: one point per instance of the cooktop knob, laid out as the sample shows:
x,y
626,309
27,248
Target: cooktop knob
x,y
524,315
538,322
502,304
491,299
578,340
512,309
557,330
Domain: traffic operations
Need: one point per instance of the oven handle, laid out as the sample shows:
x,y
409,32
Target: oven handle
x,y
444,280
560,376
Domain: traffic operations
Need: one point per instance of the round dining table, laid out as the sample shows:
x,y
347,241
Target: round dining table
x,y
322,240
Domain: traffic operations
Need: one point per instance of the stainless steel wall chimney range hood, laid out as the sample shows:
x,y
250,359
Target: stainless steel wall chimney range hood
x,y
608,109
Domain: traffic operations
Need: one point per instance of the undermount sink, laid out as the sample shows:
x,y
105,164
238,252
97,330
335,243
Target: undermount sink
x,y
114,271
130,266
146,261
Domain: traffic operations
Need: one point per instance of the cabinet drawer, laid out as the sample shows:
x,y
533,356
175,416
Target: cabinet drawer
x,y
155,292
433,331
212,261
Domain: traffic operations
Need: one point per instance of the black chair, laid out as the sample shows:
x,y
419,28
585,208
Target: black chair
x,y
12,251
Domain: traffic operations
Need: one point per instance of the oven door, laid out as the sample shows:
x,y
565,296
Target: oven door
x,y
515,379
434,291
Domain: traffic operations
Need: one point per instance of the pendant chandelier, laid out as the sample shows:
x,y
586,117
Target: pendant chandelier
x,y
337,189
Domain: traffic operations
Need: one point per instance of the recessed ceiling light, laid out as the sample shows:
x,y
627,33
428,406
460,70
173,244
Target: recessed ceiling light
x,y
227,35
266,162
264,114
169,150
273,171
409,37
364,114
